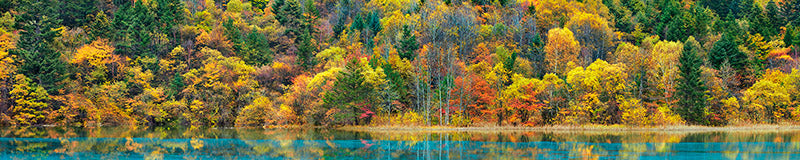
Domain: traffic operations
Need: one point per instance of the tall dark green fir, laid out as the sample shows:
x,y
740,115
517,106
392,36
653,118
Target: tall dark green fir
x,y
691,88
74,12
408,44
727,49
37,22
347,94
306,45
288,14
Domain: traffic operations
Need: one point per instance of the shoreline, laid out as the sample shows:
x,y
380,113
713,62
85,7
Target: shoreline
x,y
549,128
581,128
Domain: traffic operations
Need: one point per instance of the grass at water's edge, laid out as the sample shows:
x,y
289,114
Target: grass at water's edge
x,y
578,128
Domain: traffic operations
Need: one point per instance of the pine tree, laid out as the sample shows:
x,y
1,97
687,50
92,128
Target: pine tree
x,y
6,5
133,23
358,23
673,23
773,14
38,30
792,36
536,56
100,26
790,10
306,46
288,13
748,8
408,44
788,36
234,34
256,50
727,49
347,94
723,9
74,12
169,13
691,88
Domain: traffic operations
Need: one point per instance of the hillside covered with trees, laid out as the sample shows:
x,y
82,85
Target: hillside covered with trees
x,y
399,62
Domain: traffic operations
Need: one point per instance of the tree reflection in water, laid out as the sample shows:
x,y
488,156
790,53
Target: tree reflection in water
x,y
237,143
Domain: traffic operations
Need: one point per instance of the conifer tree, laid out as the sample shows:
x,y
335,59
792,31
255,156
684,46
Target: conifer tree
x,y
37,23
408,44
347,94
74,12
256,50
288,13
789,11
727,49
306,46
773,13
132,23
691,88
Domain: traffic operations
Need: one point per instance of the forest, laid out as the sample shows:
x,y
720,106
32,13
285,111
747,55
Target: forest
x,y
399,62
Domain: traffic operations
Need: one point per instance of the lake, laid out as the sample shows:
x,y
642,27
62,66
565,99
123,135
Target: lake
x,y
237,143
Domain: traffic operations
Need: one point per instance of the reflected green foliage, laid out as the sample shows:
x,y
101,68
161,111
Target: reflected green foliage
x,y
190,143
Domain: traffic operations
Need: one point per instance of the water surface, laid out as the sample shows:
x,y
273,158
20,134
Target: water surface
x,y
238,143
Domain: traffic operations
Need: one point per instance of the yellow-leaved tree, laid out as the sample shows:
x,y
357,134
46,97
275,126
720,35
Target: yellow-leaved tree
x,y
595,89
768,99
93,59
28,106
593,33
561,49
218,89
663,70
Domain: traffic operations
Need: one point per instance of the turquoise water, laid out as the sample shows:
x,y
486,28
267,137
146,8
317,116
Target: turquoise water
x,y
229,143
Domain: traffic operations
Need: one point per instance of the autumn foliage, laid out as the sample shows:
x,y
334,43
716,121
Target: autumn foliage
x,y
398,62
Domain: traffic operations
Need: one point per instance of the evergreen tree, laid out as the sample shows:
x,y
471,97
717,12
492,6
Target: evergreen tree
x,y
727,49
536,56
175,86
773,14
74,12
342,12
724,8
100,26
792,37
759,21
347,95
408,44
234,34
256,50
788,36
288,13
306,46
309,7
6,5
358,23
748,8
132,25
671,21
169,13
38,30
372,25
691,88
790,10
